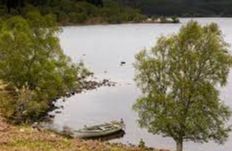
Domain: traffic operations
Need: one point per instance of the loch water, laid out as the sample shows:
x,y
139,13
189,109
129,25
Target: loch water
x,y
102,48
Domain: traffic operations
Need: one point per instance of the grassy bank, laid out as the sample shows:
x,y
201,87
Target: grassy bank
x,y
25,138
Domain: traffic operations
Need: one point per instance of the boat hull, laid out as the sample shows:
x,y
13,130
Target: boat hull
x,y
99,131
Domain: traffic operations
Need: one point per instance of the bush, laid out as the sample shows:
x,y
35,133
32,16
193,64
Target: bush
x,y
34,66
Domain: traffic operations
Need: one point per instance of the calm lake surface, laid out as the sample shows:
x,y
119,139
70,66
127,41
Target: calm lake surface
x,y
102,48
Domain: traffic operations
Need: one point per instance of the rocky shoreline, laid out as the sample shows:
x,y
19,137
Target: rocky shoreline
x,y
93,84
85,85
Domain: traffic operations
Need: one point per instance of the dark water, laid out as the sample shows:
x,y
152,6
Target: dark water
x,y
102,48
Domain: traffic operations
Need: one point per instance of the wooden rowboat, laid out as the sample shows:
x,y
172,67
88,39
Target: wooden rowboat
x,y
98,131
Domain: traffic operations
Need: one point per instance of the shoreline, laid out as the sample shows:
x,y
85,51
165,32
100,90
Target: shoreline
x,y
26,138
158,20
124,23
109,24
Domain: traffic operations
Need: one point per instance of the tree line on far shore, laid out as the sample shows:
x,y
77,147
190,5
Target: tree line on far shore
x,y
68,12
185,8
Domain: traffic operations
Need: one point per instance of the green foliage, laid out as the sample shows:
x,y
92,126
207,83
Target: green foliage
x,y
178,78
20,104
116,13
182,7
34,66
70,12
142,144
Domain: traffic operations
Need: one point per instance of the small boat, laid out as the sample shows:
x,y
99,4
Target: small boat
x,y
98,131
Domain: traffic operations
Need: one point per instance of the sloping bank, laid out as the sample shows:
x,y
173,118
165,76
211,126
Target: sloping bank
x,y
25,138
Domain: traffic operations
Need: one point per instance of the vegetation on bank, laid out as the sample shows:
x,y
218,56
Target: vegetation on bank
x,y
179,78
69,12
34,71
184,8
69,9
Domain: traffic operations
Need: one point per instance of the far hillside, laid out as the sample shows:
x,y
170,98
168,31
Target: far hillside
x,y
68,12
196,8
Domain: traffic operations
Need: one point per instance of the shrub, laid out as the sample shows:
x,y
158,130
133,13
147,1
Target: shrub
x,y
34,65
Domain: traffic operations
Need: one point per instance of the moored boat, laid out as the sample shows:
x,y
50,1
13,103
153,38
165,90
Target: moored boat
x,y
98,131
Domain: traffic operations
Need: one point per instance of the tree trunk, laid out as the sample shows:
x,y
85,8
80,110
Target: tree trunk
x,y
179,145
8,5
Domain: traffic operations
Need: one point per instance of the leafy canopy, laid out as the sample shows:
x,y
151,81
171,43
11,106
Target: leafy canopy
x,y
178,78
34,66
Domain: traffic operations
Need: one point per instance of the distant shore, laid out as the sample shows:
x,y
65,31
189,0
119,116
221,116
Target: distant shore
x,y
157,20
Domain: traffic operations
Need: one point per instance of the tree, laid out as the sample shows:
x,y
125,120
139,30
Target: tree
x,y
33,64
178,78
